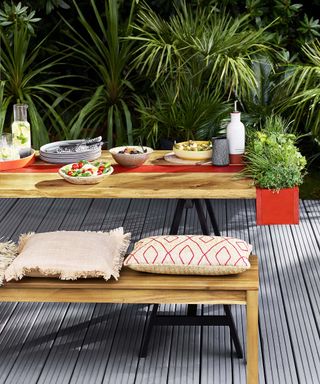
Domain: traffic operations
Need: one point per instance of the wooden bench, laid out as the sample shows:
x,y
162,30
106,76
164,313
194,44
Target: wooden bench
x,y
135,287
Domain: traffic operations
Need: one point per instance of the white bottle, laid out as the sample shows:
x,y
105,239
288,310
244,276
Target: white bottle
x,y
236,137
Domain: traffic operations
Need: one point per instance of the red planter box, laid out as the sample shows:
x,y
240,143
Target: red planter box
x,y
278,207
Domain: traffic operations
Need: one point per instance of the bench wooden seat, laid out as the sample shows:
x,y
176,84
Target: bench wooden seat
x,y
138,287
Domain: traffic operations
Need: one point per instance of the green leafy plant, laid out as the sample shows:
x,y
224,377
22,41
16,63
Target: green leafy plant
x,y
201,42
27,77
303,91
309,28
291,23
12,16
194,60
100,48
50,5
264,100
194,112
272,159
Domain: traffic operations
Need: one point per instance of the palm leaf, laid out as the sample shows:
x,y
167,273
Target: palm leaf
x,y
211,44
31,80
303,94
107,54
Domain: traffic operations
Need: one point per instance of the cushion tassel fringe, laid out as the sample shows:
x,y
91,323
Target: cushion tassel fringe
x,y
8,252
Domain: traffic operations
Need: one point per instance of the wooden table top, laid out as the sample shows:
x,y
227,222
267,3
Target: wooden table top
x,y
203,185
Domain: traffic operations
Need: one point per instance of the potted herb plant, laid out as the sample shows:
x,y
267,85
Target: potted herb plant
x,y
277,168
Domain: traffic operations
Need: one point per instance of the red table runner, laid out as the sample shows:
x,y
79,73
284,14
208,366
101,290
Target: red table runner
x,y
53,168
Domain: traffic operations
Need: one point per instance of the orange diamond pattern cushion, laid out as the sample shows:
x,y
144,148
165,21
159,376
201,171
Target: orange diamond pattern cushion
x,y
190,255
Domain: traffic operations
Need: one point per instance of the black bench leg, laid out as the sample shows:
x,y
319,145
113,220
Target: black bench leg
x,y
233,331
149,327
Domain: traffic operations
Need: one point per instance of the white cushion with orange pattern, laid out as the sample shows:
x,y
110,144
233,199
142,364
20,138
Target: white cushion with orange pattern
x,y
190,255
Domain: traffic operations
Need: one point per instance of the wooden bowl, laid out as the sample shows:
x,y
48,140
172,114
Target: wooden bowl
x,y
193,155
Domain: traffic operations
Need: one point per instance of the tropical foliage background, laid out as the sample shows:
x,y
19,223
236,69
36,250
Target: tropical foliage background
x,y
159,69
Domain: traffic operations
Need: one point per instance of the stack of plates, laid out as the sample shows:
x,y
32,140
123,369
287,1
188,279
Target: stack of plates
x,y
48,153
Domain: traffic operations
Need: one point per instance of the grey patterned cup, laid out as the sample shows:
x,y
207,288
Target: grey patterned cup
x,y
220,151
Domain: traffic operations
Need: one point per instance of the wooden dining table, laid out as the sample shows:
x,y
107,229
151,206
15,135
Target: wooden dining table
x,y
156,179
150,185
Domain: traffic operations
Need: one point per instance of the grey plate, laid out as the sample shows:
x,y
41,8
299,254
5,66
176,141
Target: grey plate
x,y
45,148
62,159
69,154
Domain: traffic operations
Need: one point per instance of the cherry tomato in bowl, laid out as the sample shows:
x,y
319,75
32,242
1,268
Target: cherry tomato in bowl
x,y
85,172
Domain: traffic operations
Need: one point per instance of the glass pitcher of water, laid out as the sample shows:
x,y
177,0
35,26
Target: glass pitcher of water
x,y
21,128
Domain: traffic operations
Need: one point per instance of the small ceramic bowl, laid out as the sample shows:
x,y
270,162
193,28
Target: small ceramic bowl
x,y
94,179
192,155
130,160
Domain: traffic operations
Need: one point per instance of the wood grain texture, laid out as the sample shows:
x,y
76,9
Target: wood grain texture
x,y
129,185
165,296
132,280
252,338
137,287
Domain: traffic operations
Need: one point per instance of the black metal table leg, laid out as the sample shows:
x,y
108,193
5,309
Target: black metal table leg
x,y
233,331
192,310
212,218
149,328
192,318
177,217
202,217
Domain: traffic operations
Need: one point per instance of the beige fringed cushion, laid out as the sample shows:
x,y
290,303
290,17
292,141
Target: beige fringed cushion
x,y
190,255
8,252
70,255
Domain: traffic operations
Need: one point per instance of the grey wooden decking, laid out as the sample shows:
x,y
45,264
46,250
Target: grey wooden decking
x,y
96,343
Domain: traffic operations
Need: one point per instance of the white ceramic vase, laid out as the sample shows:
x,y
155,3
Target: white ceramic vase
x,y
236,138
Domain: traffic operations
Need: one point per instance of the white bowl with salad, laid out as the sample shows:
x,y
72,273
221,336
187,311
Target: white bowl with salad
x,y
193,150
86,172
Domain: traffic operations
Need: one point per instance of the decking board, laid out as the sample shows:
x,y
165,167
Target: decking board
x,y
297,306
155,367
82,343
279,360
237,226
216,343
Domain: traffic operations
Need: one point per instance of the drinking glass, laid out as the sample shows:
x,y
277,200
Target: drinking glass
x,y
7,150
